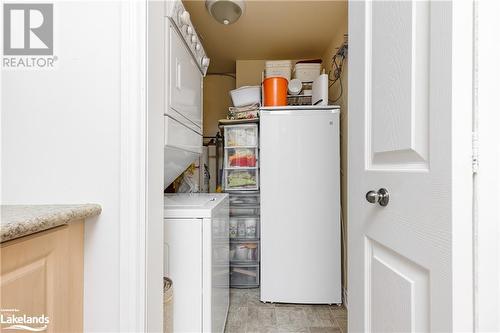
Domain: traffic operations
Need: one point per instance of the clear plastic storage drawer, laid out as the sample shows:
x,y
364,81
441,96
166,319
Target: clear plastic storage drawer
x,y
244,211
241,179
245,276
244,227
241,158
241,135
244,198
244,251
220,253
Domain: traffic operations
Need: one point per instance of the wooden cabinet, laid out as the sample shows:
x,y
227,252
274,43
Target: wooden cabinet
x,y
42,274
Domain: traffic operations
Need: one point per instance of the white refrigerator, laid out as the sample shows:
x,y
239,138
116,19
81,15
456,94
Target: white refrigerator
x,y
300,205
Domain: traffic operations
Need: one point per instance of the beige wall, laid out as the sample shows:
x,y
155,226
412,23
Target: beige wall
x,y
216,100
249,72
337,40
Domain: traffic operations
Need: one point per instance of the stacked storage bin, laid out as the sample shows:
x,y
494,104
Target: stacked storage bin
x,y
241,181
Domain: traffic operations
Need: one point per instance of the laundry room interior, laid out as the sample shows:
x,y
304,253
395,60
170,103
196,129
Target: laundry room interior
x,y
250,166
272,115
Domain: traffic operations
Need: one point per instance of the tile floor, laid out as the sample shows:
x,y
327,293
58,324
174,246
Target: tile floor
x,y
247,314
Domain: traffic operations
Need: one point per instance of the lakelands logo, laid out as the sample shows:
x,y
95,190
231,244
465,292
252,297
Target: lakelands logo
x,y
28,38
23,322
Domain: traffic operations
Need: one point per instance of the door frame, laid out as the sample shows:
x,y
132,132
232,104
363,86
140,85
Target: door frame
x,y
461,151
133,148
487,178
141,166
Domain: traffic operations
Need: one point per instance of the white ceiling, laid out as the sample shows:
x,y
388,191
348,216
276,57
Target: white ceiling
x,y
275,29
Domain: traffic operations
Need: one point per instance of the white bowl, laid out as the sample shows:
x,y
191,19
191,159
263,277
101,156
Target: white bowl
x,y
294,87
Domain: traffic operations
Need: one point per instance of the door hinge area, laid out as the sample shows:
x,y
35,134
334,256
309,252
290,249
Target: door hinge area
x,y
475,152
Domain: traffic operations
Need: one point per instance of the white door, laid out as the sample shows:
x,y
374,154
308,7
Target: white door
x,y
410,107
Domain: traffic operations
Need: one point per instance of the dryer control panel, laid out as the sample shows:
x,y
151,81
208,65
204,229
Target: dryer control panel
x,y
180,17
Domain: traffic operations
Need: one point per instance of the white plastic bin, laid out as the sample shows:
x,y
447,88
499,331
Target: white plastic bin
x,y
307,72
281,68
247,95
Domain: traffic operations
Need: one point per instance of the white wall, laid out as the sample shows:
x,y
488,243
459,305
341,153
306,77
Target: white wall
x,y
61,141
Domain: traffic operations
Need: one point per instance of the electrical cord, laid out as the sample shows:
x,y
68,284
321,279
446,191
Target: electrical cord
x,y
337,72
338,67
341,91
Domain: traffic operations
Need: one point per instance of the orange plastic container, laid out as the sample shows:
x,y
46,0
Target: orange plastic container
x,y
275,90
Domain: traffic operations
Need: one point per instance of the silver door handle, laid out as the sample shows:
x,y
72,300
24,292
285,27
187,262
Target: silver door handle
x,y
381,197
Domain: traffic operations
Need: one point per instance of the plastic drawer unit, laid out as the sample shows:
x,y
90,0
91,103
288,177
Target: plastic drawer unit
x,y
241,157
244,211
245,276
244,198
241,179
243,136
244,227
244,252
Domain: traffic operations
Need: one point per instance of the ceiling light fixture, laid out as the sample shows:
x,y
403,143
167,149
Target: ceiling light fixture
x,y
225,11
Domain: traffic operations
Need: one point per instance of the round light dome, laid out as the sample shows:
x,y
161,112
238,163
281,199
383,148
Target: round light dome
x,y
225,11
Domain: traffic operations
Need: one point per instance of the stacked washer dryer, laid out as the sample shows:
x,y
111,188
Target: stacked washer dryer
x,y
195,225
241,181
185,65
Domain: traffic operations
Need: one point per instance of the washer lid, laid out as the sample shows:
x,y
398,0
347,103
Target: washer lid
x,y
192,205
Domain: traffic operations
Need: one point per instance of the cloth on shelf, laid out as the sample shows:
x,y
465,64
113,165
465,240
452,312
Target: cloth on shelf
x,y
244,112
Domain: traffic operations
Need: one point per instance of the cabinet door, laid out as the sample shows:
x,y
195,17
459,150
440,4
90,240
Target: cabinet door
x,y
42,275
185,82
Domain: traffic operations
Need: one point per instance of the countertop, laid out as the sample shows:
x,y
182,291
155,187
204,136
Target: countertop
x,y
23,220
